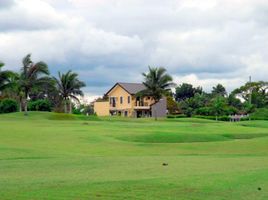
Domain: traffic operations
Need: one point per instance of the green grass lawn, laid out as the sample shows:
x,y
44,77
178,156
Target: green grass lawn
x,y
54,156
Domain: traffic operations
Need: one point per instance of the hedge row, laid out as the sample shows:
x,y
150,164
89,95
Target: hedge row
x,y
8,106
220,118
176,116
40,105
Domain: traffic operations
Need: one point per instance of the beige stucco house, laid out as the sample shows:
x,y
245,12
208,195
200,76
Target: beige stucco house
x,y
122,100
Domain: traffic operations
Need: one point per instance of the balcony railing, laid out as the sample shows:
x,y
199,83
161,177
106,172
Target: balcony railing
x,y
140,103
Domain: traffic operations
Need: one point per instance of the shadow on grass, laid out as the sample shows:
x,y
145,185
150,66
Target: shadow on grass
x,y
186,138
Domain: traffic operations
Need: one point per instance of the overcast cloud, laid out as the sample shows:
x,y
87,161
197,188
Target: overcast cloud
x,y
202,42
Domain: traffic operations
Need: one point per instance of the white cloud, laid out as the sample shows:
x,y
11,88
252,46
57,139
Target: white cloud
x,y
30,15
208,83
202,42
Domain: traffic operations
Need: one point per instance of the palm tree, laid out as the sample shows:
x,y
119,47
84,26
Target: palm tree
x,y
4,77
32,75
69,86
158,83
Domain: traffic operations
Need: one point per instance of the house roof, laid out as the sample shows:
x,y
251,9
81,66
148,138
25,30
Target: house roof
x,y
131,88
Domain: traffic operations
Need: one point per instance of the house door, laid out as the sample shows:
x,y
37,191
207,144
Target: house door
x,y
139,114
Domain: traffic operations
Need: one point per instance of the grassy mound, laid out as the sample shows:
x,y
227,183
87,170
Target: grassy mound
x,y
38,115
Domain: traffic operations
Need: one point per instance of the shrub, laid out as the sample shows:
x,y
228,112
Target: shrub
x,y
76,111
208,111
84,109
39,105
204,111
220,118
8,106
171,116
260,114
230,110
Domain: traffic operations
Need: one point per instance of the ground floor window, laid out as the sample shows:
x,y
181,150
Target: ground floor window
x,y
143,113
126,113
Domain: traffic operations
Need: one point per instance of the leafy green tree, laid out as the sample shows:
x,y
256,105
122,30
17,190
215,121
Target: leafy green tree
x,y
219,90
14,90
187,106
201,100
4,77
206,110
172,105
185,91
157,82
69,86
218,105
32,75
233,101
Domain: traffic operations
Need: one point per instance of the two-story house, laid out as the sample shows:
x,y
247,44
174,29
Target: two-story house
x,y
122,100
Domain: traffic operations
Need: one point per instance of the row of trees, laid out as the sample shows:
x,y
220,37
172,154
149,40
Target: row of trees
x,y
33,87
191,100
243,100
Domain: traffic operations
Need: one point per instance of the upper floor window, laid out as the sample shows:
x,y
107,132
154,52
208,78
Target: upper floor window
x,y
128,99
121,100
113,101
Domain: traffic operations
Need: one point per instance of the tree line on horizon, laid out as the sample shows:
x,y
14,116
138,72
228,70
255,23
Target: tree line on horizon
x,y
32,88
190,100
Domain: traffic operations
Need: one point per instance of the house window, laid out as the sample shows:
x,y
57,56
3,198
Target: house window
x,y
128,99
148,98
113,101
126,113
121,100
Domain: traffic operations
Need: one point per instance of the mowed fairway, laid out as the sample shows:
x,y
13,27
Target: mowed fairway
x,y
49,156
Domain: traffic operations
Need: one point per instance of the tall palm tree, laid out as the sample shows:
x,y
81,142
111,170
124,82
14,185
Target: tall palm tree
x,y
32,75
69,86
4,77
158,83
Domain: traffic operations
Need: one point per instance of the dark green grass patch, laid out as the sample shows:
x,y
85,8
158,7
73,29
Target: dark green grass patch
x,y
173,138
186,138
245,136
64,116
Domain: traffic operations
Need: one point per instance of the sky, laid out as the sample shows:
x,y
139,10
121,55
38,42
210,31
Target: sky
x,y
107,41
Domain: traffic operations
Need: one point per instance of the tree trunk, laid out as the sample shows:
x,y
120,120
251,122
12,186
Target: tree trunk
x,y
70,106
25,108
65,105
20,107
26,104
